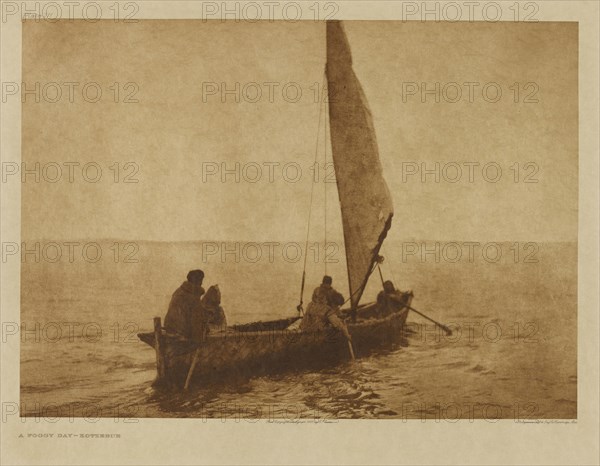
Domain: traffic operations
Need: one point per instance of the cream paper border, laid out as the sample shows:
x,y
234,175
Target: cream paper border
x,y
197,441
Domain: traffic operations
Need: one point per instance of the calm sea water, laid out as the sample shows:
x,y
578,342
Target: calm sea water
x,y
513,351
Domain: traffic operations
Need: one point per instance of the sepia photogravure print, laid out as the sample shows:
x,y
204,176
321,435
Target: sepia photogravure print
x,y
275,214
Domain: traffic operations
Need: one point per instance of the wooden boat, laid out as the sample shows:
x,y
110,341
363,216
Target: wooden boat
x,y
366,211
242,351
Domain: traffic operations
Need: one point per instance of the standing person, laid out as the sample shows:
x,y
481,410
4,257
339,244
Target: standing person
x,y
322,310
185,303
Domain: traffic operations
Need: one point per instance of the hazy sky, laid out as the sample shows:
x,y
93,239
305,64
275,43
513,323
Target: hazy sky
x,y
178,130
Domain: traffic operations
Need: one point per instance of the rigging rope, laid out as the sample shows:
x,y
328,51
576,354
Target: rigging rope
x,y
380,275
391,269
363,286
299,308
325,186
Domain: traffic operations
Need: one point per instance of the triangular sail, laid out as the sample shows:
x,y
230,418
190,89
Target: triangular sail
x,y
365,200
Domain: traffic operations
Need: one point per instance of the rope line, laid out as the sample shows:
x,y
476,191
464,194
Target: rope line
x,y
363,285
325,185
390,268
312,189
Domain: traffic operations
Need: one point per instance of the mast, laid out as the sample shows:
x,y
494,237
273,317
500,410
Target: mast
x,y
365,200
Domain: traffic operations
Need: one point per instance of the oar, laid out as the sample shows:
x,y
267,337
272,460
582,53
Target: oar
x,y
351,349
339,324
345,332
442,326
191,371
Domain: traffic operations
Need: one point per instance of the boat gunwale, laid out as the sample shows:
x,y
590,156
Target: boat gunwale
x,y
362,323
259,333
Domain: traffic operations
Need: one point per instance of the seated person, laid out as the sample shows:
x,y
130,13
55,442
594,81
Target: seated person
x,y
322,310
185,303
390,299
210,316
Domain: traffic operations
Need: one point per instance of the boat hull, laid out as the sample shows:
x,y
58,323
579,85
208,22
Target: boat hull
x,y
240,354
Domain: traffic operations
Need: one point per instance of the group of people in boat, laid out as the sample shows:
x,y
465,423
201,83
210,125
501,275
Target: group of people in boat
x,y
194,313
324,308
